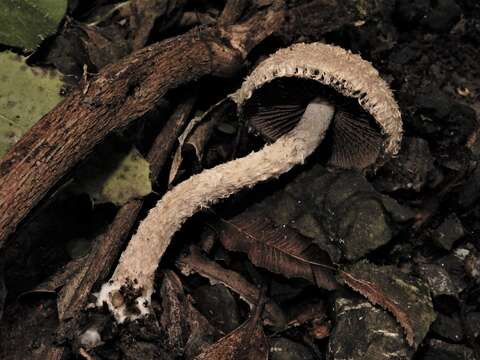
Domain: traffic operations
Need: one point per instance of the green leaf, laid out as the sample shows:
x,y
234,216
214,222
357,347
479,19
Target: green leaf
x,y
26,94
26,23
114,174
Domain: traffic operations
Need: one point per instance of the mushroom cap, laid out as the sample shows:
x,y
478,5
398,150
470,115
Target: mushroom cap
x,y
334,67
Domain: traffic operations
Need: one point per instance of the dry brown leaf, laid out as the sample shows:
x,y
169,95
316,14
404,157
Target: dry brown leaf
x,y
404,295
279,249
195,262
247,342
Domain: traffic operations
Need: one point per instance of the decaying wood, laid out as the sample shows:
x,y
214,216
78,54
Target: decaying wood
x,y
116,96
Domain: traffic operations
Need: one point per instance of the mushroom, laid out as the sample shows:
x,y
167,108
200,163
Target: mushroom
x,y
296,98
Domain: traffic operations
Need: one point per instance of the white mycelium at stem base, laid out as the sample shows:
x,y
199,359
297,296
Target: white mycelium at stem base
x,y
139,261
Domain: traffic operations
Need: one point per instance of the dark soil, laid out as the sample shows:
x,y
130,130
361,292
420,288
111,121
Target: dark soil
x,y
428,51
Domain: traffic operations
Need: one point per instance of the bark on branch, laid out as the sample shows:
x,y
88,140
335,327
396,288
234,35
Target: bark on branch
x,y
119,94
123,92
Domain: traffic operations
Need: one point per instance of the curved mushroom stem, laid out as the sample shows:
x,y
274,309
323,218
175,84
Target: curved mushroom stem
x,y
128,292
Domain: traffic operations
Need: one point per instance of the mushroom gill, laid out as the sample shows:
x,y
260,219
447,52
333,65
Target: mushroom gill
x,y
354,139
282,85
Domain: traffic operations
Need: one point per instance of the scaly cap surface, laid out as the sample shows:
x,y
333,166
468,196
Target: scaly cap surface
x,y
338,68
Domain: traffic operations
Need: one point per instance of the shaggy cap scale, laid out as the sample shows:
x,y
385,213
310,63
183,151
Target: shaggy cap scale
x,y
335,67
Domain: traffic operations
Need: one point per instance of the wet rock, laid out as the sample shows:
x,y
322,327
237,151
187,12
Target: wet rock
x,y
439,350
217,304
285,349
397,212
365,332
410,170
454,264
403,295
448,232
447,277
358,220
340,211
448,327
439,280
362,227
299,204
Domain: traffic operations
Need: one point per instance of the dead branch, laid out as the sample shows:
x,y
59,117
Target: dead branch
x,y
116,96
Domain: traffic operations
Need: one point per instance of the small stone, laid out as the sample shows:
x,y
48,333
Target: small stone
x,y
365,332
362,228
358,222
409,295
448,232
308,226
454,264
448,327
439,280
